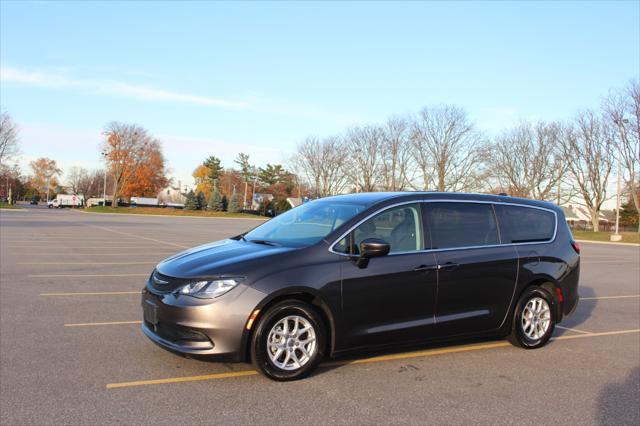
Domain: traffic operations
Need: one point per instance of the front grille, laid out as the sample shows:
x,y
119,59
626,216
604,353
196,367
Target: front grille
x,y
177,334
163,284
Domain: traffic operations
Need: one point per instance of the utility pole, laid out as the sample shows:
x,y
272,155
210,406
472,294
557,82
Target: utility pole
x,y
244,200
253,192
104,184
623,136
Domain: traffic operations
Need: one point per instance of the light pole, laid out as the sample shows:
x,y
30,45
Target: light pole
x,y
244,200
620,123
253,191
104,183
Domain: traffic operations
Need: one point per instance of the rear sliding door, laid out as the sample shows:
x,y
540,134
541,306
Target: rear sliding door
x,y
476,275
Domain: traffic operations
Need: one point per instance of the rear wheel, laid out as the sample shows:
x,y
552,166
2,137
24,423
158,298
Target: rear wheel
x,y
533,319
288,342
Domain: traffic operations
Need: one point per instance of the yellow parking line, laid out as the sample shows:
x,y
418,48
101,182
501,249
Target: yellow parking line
x,y
86,263
611,297
130,235
146,253
101,247
183,379
418,354
85,275
95,293
573,329
90,324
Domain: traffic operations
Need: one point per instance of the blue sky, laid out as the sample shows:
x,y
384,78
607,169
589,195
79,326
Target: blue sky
x,y
213,78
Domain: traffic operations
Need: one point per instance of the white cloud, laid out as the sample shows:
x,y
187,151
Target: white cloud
x,y
56,80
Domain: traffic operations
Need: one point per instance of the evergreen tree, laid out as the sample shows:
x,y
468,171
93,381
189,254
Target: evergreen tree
x,y
234,204
200,202
215,169
192,201
629,214
216,203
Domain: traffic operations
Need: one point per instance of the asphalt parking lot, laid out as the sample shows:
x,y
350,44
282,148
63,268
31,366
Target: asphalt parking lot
x,y
72,350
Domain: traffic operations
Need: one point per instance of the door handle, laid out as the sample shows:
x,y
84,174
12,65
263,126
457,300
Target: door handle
x,y
426,268
449,266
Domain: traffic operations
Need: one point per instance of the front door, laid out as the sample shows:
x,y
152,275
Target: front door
x,y
393,298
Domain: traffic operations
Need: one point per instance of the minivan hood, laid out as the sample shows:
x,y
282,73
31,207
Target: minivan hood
x,y
217,258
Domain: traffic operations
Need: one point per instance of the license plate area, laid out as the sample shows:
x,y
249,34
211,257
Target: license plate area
x,y
150,312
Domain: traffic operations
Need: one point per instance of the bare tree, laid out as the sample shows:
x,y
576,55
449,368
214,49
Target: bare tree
x,y
97,187
588,147
76,177
126,149
527,160
320,163
397,157
447,149
83,182
623,109
363,149
8,138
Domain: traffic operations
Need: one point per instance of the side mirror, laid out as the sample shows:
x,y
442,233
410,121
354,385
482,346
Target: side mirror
x,y
371,247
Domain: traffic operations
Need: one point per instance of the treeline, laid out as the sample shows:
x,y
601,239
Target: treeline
x,y
441,149
231,189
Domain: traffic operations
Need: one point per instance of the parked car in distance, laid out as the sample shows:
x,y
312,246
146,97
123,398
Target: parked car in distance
x,y
35,200
365,272
143,202
64,200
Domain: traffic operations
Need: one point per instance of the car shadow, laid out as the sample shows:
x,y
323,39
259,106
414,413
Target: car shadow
x,y
363,356
618,402
579,316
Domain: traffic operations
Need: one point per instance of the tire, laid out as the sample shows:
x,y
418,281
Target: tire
x,y
534,319
274,350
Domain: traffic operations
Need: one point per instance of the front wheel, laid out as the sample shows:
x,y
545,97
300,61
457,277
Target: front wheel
x,y
533,319
288,342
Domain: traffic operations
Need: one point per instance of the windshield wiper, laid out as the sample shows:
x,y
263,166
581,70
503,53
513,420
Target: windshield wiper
x,y
265,242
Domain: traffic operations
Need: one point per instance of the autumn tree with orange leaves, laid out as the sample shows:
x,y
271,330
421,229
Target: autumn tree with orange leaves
x,y
134,159
45,174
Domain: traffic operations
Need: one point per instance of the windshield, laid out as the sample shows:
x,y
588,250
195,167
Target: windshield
x,y
305,225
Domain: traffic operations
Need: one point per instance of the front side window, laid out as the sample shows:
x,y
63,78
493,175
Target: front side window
x,y
525,224
461,225
305,225
400,226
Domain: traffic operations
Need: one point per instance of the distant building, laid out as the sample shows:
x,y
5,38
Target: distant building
x,y
170,196
294,202
578,216
260,199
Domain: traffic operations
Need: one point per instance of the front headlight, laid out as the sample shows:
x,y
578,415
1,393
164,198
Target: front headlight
x,y
208,289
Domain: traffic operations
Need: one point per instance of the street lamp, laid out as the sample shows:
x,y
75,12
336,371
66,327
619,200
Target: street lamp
x,y
620,123
104,184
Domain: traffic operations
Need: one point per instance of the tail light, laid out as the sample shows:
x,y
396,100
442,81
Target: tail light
x,y
575,246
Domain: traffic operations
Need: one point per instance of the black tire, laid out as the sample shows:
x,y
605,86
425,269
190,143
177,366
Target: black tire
x,y
519,336
259,340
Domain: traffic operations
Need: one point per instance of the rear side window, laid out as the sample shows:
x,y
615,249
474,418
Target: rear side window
x,y
525,224
461,225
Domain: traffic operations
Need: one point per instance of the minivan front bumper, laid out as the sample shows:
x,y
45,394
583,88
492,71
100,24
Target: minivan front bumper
x,y
212,327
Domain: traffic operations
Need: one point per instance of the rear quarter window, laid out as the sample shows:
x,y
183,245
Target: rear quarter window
x,y
525,224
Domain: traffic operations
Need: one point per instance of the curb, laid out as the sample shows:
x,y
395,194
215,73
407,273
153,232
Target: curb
x,y
14,210
611,243
167,215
